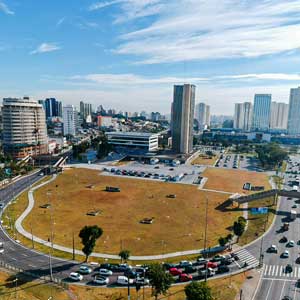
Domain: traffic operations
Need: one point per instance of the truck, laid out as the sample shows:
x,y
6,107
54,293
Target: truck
x,y
285,226
293,215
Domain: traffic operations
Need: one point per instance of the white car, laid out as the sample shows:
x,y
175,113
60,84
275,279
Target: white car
x,y
105,272
142,281
75,276
1,247
101,280
123,280
285,254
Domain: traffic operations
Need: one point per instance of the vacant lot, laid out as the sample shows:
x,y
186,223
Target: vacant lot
x,y
203,159
233,180
178,223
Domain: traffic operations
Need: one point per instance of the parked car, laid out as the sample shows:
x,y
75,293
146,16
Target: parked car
x,y
273,249
185,277
75,276
105,272
142,281
201,261
285,254
291,243
169,266
123,280
185,263
217,258
283,239
175,271
190,269
85,270
98,279
130,273
288,268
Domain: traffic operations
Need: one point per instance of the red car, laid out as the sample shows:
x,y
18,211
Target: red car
x,y
212,265
185,277
175,272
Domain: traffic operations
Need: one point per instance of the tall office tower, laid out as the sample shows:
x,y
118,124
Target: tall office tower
x,y
202,115
53,108
85,110
294,112
261,112
242,116
24,127
183,118
279,115
70,119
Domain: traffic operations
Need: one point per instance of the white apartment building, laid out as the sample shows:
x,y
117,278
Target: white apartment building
x,y
202,115
279,115
243,116
24,127
294,112
70,120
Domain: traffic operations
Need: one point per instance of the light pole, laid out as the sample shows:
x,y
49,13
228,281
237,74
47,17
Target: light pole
x,y
16,286
51,236
205,234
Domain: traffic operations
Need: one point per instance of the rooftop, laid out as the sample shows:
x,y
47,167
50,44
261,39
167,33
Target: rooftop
x,y
132,133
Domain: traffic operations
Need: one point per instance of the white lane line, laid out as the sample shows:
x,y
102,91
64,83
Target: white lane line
x,y
273,272
269,289
266,270
277,268
282,289
281,270
279,279
270,270
298,272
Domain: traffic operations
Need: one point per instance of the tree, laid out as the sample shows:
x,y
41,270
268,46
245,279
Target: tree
x,y
239,227
89,235
124,254
159,280
198,291
222,241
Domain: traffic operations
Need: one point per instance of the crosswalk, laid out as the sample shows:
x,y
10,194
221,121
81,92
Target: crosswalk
x,y
277,271
246,257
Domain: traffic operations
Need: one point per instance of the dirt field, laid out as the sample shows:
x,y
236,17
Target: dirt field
x,y
178,223
204,160
233,180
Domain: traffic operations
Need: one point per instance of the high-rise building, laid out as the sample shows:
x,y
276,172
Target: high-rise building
x,y
85,110
294,112
24,127
183,118
202,115
242,116
70,119
279,115
261,112
53,108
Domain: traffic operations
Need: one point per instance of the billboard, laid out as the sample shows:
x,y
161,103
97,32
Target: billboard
x,y
259,210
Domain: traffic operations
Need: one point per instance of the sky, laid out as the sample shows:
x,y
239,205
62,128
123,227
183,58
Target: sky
x,y
128,54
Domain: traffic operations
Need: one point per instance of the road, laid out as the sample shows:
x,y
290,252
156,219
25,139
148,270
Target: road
x,y
276,282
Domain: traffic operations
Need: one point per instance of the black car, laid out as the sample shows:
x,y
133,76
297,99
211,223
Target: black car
x,y
288,268
168,266
190,269
222,269
283,239
130,273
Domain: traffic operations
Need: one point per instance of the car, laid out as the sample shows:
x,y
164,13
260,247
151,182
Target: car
x,y
201,261
273,249
140,271
218,258
123,280
1,247
222,269
169,266
288,268
185,277
171,169
102,280
285,254
105,272
283,239
291,243
234,256
190,269
298,260
130,273
175,271
156,167
85,270
142,281
212,265
75,276
1,205
287,298
295,206
185,263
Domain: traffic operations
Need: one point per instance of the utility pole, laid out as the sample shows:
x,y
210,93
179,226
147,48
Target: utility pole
x,y
73,243
51,236
205,234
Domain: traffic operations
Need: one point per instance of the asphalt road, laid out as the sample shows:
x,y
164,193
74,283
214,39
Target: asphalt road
x,y
276,282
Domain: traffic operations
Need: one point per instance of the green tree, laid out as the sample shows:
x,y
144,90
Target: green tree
x,y
222,241
198,291
239,227
124,255
159,280
89,236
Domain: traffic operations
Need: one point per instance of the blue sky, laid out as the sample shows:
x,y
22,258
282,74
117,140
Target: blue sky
x,y
127,54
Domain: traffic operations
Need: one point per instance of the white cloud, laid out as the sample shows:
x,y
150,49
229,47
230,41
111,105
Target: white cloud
x,y
186,30
45,47
4,8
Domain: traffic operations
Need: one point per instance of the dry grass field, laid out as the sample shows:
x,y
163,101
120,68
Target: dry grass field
x,y
178,223
205,160
233,180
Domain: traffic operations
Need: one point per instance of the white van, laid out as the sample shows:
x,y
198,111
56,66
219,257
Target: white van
x,y
123,280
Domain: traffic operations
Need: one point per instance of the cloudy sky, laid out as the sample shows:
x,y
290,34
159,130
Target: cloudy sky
x,y
128,54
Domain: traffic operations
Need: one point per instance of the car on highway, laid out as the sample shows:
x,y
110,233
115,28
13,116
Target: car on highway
x,y
185,263
285,254
273,249
105,272
85,270
185,277
291,243
222,269
75,276
190,269
218,258
101,280
169,266
175,272
212,265
201,261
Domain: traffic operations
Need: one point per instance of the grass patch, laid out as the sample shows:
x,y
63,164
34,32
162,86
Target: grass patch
x,y
204,159
233,180
178,223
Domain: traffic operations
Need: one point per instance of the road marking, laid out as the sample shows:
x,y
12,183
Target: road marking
x,y
270,270
266,270
269,289
279,279
277,269
32,266
282,289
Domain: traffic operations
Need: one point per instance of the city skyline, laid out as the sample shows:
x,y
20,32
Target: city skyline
x,y
139,53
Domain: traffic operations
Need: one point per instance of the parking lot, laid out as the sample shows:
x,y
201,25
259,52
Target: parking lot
x,y
162,172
